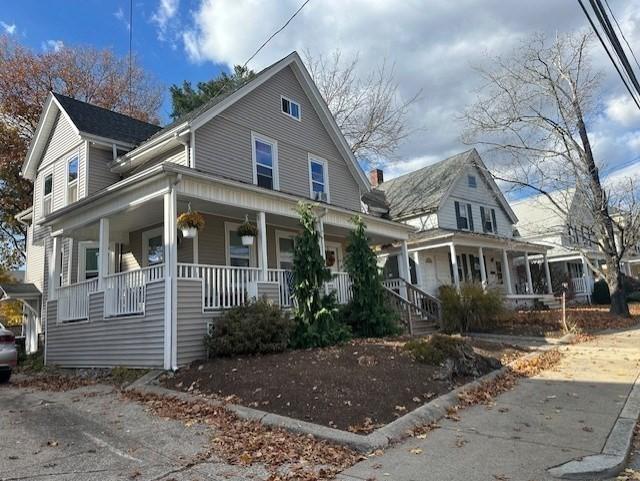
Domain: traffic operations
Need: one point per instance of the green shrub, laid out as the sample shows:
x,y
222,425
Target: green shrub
x,y
470,308
436,349
326,329
367,313
601,293
255,328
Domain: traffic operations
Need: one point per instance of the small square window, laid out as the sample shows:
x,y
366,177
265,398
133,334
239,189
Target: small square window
x,y
291,108
472,181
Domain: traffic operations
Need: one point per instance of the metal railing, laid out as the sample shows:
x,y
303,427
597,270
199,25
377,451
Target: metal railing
x,y
125,292
73,300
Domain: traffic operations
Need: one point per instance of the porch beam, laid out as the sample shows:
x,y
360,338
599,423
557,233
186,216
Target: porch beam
x,y
527,268
54,268
506,275
483,272
262,244
103,252
547,274
170,267
454,265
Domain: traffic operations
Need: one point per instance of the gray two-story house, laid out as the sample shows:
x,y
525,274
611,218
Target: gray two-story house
x,y
120,285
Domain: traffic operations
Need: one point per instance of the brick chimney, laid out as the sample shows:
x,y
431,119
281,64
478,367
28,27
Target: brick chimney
x,y
376,177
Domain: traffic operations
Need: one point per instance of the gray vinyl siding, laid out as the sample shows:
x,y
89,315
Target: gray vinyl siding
x,y
482,195
223,146
192,322
269,291
177,155
99,175
63,137
98,342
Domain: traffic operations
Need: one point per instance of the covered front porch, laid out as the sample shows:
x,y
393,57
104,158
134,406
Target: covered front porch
x,y
131,258
451,258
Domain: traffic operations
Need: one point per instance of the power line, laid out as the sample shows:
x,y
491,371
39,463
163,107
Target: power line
x,y
606,49
276,32
622,33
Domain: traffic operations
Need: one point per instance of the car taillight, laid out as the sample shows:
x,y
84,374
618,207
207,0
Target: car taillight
x,y
7,339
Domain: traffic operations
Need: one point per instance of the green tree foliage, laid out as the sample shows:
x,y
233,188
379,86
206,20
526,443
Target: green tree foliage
x,y
316,314
185,98
470,308
601,293
367,313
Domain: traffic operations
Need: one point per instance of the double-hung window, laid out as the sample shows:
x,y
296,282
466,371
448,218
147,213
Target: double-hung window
x,y
88,266
464,216
152,247
488,220
471,180
238,254
47,194
291,108
318,179
72,179
265,162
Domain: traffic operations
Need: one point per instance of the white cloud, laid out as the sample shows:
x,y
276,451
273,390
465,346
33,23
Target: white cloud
x,y
434,48
167,9
120,16
55,45
9,29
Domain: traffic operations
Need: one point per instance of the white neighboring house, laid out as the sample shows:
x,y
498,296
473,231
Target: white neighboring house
x,y
119,285
571,240
465,231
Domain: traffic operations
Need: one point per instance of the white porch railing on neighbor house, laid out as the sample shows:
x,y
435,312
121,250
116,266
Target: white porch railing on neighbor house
x,y
224,286
73,300
125,292
581,285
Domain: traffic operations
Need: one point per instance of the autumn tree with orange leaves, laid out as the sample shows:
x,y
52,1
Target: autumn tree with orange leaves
x,y
96,76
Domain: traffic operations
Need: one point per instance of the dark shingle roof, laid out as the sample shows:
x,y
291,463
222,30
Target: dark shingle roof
x,y
421,191
16,290
102,122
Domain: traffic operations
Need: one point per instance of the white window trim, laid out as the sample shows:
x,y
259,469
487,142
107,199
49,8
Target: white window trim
x,y
325,168
230,227
475,181
274,146
299,118
82,258
146,235
45,174
282,234
76,156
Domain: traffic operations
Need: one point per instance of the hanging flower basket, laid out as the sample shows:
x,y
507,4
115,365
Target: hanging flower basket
x,y
247,232
331,258
190,223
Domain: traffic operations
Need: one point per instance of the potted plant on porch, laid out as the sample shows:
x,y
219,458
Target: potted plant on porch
x,y
190,223
247,232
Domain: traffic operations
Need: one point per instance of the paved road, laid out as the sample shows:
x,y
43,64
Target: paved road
x,y
90,434
544,421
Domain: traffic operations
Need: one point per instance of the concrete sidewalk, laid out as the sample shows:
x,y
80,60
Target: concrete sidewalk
x,y
561,414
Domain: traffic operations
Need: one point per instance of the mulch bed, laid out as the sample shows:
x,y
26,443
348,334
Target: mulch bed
x,y
587,319
358,386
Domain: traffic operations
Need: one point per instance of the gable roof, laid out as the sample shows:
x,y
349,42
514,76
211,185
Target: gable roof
x,y
424,190
203,114
86,120
94,120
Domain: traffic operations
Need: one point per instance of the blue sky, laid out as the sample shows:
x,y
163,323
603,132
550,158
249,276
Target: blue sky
x,y
100,24
433,46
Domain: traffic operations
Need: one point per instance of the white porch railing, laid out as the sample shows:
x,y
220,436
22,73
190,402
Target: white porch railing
x,y
73,300
341,285
581,285
125,292
224,286
284,278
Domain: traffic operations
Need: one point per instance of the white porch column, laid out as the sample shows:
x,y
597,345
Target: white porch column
x,y
54,268
506,272
527,268
416,261
170,240
404,259
588,277
454,265
320,230
547,274
103,252
262,244
483,272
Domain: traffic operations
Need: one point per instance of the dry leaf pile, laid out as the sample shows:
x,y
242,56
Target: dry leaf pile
x,y
524,367
242,442
53,382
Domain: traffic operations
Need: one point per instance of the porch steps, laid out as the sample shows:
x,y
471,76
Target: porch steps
x,y
552,302
423,327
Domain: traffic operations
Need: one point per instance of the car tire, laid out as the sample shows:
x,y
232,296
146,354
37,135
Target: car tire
x,y
5,376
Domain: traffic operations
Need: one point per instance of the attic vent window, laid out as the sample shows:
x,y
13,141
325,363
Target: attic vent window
x,y
472,181
291,108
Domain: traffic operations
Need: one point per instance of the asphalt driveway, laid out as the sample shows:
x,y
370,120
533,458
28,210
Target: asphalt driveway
x,y
91,434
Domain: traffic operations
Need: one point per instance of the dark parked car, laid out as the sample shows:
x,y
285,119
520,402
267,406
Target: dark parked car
x,y
8,354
